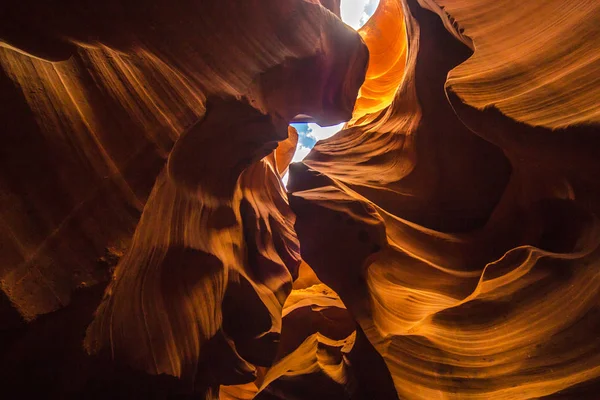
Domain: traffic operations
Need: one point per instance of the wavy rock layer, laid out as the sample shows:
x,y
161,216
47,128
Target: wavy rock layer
x,y
89,134
467,254
444,245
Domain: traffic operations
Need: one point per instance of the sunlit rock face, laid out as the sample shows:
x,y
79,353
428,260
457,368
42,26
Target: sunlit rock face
x,y
443,245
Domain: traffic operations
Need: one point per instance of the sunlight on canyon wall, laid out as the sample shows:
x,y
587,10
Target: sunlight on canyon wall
x,y
444,245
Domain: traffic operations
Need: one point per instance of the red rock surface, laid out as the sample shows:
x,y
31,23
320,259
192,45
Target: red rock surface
x,y
443,245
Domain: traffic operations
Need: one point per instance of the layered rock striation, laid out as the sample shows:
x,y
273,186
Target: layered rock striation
x,y
443,245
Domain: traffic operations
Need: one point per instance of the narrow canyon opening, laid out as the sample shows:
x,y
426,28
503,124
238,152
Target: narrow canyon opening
x,y
437,237
355,13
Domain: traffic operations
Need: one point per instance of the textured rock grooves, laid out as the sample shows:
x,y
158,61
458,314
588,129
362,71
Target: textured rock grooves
x,y
443,245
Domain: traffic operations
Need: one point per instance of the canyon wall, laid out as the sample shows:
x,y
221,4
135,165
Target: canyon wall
x,y
443,245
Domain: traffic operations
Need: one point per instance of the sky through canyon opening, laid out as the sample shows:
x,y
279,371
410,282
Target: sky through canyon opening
x,y
355,13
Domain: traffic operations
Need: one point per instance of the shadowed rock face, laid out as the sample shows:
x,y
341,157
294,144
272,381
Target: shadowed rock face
x,y
443,245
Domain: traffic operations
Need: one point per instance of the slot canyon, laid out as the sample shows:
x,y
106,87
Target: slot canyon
x,y
444,244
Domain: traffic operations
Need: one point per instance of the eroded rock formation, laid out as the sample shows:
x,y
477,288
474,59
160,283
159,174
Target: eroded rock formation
x,y
443,245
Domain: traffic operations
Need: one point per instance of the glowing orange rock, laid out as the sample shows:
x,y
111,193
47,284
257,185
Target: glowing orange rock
x,y
465,289
443,246
385,36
